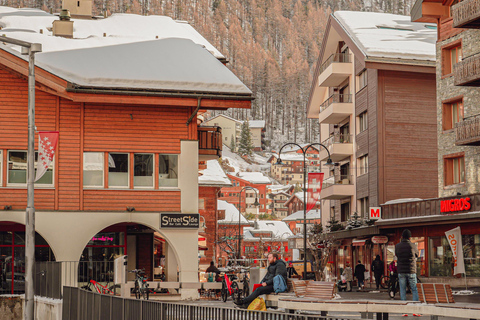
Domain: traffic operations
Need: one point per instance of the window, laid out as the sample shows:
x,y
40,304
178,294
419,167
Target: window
x,y
93,169
201,203
362,121
363,165
118,168
143,170
452,113
1,167
168,170
362,80
345,211
454,169
363,207
17,169
451,55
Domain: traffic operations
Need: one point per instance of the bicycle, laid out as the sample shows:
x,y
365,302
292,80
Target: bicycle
x,y
245,281
98,287
230,288
385,282
140,289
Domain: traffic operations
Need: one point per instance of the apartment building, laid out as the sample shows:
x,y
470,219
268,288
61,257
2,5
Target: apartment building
x,y
458,79
128,150
257,128
290,172
231,128
374,96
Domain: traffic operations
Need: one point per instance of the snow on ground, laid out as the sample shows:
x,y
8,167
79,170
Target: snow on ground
x,y
213,175
26,23
240,165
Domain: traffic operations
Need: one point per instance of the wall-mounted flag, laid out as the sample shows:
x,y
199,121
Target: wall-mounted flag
x,y
47,145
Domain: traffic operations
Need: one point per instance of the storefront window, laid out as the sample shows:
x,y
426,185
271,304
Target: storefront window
x,y
420,243
441,258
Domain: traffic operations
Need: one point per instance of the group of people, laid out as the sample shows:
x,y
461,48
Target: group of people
x,y
405,251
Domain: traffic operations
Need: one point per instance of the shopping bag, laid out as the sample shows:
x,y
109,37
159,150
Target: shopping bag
x,y
343,278
367,275
257,304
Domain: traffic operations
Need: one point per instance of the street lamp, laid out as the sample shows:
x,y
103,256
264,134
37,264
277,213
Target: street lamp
x,y
328,163
256,203
29,49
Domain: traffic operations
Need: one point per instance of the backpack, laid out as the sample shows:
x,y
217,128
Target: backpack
x,y
279,284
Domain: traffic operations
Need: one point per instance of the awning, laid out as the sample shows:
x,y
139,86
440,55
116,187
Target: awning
x,y
358,243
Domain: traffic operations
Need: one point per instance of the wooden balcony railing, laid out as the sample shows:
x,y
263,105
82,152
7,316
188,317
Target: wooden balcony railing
x,y
466,14
467,71
467,132
336,57
210,141
336,98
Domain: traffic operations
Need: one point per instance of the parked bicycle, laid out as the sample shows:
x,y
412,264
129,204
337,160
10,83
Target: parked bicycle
x,y
230,285
103,289
140,289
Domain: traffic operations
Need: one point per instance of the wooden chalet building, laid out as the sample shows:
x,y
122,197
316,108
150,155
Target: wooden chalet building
x,y
128,153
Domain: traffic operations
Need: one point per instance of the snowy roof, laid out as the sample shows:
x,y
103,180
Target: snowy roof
x,y
161,65
213,175
402,200
253,177
290,157
277,229
389,35
279,188
224,116
312,214
231,213
25,24
256,123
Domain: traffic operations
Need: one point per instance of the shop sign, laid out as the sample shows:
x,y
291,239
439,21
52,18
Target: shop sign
x,y
375,213
379,239
455,205
180,220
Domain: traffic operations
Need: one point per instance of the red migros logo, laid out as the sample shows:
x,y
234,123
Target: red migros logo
x,y
455,205
375,213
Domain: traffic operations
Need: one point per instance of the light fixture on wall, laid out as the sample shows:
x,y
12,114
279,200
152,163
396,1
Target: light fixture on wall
x,y
7,208
130,209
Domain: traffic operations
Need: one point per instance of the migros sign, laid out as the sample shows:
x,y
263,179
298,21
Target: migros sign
x,y
455,205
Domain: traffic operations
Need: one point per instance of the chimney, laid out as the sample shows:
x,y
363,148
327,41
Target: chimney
x,y
81,9
63,27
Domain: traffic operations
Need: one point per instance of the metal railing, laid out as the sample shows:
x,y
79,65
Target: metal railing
x,y
336,98
338,179
79,304
467,70
338,138
468,131
210,140
48,279
336,57
465,13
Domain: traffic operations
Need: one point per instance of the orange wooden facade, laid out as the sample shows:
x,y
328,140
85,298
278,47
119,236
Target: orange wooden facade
x,y
230,194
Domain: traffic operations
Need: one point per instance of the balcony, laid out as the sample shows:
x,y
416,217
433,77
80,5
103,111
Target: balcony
x,y
336,108
466,14
340,147
467,72
209,143
467,132
338,187
336,69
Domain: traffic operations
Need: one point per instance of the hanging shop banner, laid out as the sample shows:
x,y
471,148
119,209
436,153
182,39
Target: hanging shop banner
x,y
315,180
179,220
380,239
47,145
454,238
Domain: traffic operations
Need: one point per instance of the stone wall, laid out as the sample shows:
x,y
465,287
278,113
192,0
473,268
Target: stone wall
x,y
11,308
471,100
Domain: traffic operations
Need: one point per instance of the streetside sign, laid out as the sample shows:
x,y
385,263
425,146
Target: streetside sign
x,y
375,213
455,205
180,220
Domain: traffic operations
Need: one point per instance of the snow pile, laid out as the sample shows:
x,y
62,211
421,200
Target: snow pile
x,y
231,213
389,35
213,175
312,214
254,177
463,292
277,229
25,24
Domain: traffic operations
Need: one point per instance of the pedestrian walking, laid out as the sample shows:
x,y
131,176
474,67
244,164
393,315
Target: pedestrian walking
x,y
407,254
378,269
393,285
348,274
360,275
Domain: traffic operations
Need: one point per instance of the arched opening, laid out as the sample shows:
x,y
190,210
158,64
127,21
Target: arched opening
x,y
145,247
12,256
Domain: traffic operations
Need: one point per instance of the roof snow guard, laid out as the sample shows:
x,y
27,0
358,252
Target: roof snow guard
x,y
160,66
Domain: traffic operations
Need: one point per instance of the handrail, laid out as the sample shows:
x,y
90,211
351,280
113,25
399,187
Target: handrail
x,y
467,70
345,179
338,138
465,11
468,130
336,57
336,98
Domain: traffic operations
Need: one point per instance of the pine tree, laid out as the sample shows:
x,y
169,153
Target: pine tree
x,y
233,145
333,225
355,222
245,146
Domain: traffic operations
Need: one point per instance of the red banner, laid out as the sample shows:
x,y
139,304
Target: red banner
x,y
47,145
315,180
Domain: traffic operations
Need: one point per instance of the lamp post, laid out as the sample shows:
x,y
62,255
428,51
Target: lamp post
x,y
29,49
328,163
240,212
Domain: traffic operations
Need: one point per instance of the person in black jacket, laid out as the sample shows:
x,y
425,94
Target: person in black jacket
x,y
378,269
360,275
407,254
276,267
291,270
